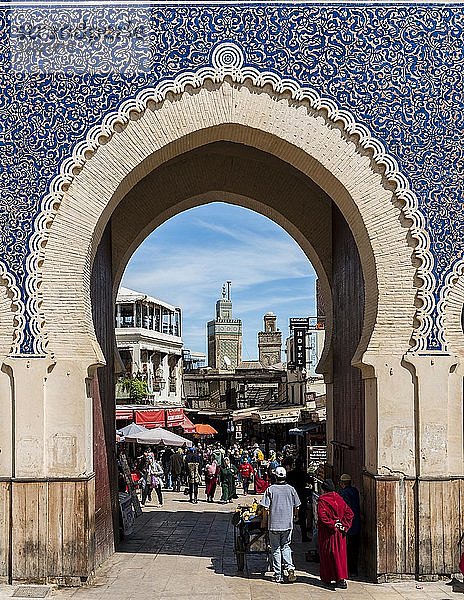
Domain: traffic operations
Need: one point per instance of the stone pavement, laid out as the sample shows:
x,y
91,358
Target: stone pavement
x,y
184,551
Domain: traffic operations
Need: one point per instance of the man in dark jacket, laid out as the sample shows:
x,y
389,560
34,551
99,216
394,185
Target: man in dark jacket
x,y
300,480
176,465
350,495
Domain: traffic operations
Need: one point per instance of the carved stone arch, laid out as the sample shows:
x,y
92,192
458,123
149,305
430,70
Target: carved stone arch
x,y
230,74
451,308
124,252
242,113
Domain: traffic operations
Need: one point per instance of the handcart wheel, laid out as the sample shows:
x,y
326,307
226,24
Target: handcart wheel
x,y
240,554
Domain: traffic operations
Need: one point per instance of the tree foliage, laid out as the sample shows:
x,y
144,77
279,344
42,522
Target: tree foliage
x,y
136,388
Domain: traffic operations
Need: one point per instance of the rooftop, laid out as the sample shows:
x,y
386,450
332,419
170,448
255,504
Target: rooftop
x,y
127,295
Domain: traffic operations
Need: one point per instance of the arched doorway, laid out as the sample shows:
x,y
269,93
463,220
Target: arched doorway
x,y
293,163
290,164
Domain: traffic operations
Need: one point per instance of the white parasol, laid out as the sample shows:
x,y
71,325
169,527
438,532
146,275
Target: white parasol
x,y
158,436
131,430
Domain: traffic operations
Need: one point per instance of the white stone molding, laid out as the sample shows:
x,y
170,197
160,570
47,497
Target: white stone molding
x,y
450,307
228,66
12,309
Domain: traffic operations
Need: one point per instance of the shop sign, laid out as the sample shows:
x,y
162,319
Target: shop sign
x,y
174,417
317,454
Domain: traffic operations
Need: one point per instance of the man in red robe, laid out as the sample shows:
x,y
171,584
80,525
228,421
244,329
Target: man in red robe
x,y
334,520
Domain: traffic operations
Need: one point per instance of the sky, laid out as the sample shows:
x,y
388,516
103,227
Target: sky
x,y
186,260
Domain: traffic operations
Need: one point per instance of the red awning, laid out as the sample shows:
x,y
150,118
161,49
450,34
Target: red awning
x,y
174,417
187,425
150,418
124,413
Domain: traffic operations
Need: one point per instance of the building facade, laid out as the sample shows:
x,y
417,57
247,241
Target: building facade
x,y
224,335
345,110
149,341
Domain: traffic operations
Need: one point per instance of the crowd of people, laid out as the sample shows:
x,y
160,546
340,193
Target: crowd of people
x,y
287,490
232,470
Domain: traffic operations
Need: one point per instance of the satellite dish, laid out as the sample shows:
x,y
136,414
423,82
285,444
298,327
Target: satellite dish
x,y
227,362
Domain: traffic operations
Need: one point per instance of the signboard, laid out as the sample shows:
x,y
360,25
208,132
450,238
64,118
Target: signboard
x,y
299,340
150,418
299,323
238,431
127,513
174,417
317,455
304,323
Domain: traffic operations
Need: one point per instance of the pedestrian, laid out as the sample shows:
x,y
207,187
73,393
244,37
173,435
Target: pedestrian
x,y
334,520
146,471
227,477
176,465
281,503
192,463
157,475
166,462
300,480
218,454
350,495
246,472
274,462
211,477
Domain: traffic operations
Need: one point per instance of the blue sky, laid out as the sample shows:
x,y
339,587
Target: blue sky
x,y
186,260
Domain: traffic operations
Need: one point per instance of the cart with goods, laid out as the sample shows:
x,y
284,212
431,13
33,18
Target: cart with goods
x,y
250,537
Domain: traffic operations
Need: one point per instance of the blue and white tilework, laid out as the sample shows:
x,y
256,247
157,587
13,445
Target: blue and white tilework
x,y
398,69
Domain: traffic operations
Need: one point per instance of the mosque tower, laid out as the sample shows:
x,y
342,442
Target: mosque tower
x,y
270,342
224,335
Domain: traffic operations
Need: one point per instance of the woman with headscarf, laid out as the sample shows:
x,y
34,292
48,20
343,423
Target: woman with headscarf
x,y
334,520
227,478
211,477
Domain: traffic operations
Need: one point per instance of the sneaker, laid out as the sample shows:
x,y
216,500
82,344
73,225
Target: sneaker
x,y
342,585
291,576
277,579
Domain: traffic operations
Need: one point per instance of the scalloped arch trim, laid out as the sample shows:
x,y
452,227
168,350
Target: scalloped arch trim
x,y
228,61
13,338
450,308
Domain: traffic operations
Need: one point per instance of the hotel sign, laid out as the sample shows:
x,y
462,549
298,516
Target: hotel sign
x,y
299,341
299,327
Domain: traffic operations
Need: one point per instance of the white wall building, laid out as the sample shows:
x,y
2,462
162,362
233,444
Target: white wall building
x,y
149,340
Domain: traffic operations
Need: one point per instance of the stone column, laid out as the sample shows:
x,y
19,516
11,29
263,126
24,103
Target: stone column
x,y
51,484
440,469
136,358
390,468
413,478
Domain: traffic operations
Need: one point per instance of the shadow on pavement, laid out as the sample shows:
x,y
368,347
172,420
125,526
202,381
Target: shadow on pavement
x,y
209,534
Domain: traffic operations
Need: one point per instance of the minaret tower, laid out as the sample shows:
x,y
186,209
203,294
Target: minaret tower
x,y
270,342
224,334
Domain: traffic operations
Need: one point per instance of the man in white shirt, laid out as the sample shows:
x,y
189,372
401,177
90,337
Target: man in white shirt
x,y
281,502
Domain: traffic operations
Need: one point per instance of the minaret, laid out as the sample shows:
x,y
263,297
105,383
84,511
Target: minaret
x,y
224,334
270,342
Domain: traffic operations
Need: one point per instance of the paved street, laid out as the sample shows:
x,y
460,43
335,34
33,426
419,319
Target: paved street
x,y
184,551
